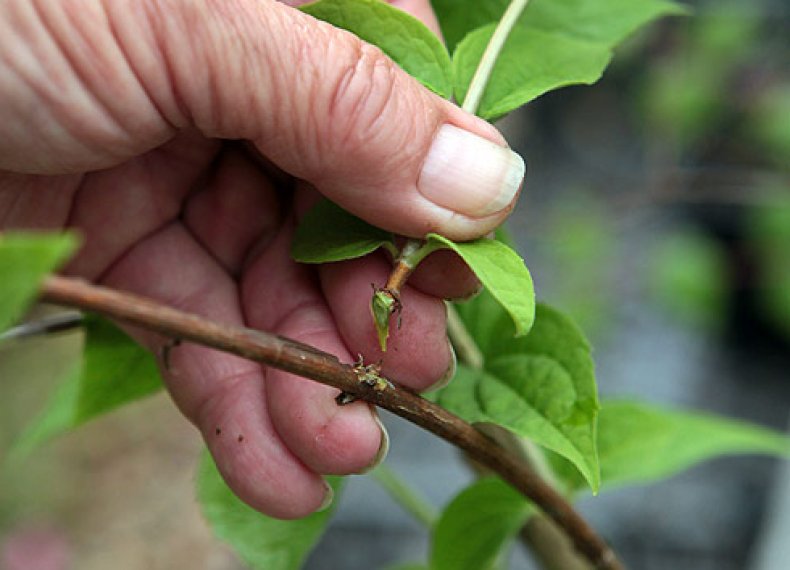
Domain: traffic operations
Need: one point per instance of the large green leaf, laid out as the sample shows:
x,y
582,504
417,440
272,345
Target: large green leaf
x,y
262,542
402,37
541,386
114,371
476,525
554,43
641,443
25,259
503,273
329,233
532,62
605,21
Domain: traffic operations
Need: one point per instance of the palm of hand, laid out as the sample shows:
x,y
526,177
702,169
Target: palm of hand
x,y
199,224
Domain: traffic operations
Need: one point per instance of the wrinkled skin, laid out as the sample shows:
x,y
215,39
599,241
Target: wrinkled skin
x,y
117,120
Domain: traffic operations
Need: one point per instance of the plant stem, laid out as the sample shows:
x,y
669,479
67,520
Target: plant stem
x,y
482,74
550,546
405,496
410,256
466,349
470,104
310,362
45,325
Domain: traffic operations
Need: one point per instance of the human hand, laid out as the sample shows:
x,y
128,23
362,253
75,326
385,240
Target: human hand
x,y
116,119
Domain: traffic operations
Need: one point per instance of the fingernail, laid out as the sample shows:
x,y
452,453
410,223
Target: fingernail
x,y
449,373
329,496
384,446
470,295
469,174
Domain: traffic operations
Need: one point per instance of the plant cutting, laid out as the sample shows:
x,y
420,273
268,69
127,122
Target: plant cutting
x,y
524,367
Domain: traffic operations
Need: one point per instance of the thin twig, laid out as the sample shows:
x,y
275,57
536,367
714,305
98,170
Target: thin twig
x,y
312,363
398,276
49,324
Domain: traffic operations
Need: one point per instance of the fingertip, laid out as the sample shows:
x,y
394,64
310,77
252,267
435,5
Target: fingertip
x,y
445,275
384,443
328,438
470,175
417,353
253,460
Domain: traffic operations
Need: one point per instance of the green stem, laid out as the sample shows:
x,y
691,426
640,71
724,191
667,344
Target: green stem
x,y
466,349
483,72
417,251
405,496
415,248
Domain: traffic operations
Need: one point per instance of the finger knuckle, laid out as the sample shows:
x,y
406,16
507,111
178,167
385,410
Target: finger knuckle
x,y
361,94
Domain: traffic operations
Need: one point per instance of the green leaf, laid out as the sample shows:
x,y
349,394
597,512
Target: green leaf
x,y
114,371
541,386
329,233
531,63
262,542
605,21
56,418
25,259
476,525
503,273
402,37
412,566
641,443
554,43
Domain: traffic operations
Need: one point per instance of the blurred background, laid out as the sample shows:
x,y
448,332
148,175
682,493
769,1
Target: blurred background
x,y
656,212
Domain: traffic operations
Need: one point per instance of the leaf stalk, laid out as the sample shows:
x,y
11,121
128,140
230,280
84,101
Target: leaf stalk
x,y
404,495
482,74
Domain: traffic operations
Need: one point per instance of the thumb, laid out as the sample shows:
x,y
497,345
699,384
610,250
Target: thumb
x,y
93,83
372,139
336,112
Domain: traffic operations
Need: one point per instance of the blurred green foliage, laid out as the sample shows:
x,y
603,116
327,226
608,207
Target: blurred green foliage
x,y
770,127
768,231
584,251
689,275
